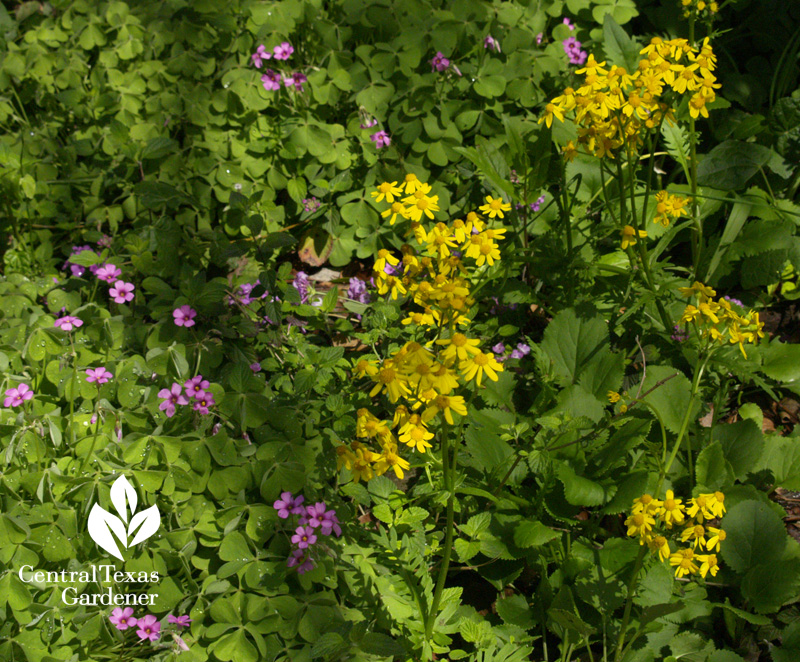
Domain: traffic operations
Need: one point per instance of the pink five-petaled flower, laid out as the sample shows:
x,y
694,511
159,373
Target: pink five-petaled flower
x,y
195,385
299,559
381,139
173,396
319,516
149,628
123,618
109,273
303,537
202,401
16,396
283,51
99,375
439,62
180,621
296,79
261,54
289,504
122,291
68,323
491,42
271,80
184,316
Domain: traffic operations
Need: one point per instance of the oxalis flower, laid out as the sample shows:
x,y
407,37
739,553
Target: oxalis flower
x,y
122,619
196,385
149,628
381,139
271,80
99,375
68,323
16,396
172,396
203,400
122,292
109,273
184,316
289,504
180,621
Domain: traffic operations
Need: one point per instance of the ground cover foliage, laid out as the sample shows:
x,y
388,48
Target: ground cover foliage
x,y
427,330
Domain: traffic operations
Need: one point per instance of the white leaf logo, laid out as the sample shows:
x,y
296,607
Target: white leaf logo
x,y
103,526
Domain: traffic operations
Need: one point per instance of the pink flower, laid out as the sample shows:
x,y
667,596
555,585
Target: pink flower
x,y
304,537
173,396
123,618
299,559
271,80
16,396
68,323
539,38
567,22
439,62
149,627
381,139
195,385
203,400
255,367
289,504
184,316
491,42
108,273
369,123
296,80
180,642
180,621
260,54
283,51
122,291
99,375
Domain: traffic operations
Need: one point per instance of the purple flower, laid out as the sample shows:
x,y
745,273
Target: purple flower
x,y
289,504
184,316
357,291
326,520
123,618
122,291
196,385
535,206
99,375
572,47
736,301
271,80
261,54
68,323
173,396
381,139
523,349
678,334
283,51
108,273
202,401
255,367
499,348
304,537
180,621
439,62
149,627
296,79
539,38
104,241
300,283
311,204
16,396
491,42
567,22
369,123
298,558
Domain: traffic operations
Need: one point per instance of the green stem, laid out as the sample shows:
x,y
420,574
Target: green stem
x,y
96,431
72,391
449,481
626,616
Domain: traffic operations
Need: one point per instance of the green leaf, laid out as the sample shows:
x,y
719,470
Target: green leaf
x,y
781,361
731,164
619,47
533,534
671,398
515,610
574,342
580,491
768,586
712,469
158,148
375,643
235,548
755,535
570,621
742,445
235,646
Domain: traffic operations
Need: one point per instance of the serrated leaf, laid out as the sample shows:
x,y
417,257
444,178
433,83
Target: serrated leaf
x,y
533,534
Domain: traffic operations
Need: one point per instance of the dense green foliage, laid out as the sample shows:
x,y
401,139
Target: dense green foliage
x,y
143,130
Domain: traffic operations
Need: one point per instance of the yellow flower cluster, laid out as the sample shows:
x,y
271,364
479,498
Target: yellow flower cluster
x,y
669,206
696,518
434,277
717,320
699,7
616,108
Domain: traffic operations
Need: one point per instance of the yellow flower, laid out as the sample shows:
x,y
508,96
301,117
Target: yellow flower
x,y
389,459
476,366
629,236
661,545
550,111
386,190
391,381
646,503
699,509
487,252
362,464
613,397
394,210
683,560
458,346
716,503
640,524
384,257
671,511
708,564
412,183
715,538
415,434
494,207
695,533
446,404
